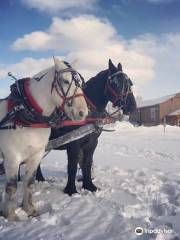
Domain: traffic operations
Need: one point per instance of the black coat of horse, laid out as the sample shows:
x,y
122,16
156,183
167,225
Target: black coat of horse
x,y
109,85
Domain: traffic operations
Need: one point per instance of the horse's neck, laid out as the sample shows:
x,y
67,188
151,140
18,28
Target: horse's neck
x,y
95,89
41,92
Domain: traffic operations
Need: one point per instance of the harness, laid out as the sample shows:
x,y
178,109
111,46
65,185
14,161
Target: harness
x,y
123,96
116,97
63,95
24,111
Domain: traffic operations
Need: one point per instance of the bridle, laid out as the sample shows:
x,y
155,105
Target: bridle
x,y
116,97
57,85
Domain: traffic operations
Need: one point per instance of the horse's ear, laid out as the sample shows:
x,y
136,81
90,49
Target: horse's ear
x,y
74,63
58,63
55,60
112,67
119,66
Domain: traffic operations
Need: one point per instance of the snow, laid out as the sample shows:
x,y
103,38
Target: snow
x,y
138,172
155,101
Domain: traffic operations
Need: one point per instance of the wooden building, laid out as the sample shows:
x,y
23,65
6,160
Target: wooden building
x,y
174,118
158,111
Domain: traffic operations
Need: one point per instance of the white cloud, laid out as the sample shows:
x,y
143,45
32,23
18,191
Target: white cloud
x,y
4,92
3,72
164,49
146,58
92,41
70,34
26,68
36,40
58,5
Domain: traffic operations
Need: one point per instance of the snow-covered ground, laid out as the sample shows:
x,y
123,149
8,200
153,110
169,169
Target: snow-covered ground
x,y
138,172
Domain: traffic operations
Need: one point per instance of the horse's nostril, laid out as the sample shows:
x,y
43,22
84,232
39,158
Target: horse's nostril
x,y
81,113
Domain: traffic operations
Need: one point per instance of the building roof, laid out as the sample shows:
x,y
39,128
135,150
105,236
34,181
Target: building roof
x,y
155,101
175,113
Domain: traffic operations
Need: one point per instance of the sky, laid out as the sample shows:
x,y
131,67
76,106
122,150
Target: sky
x,y
144,35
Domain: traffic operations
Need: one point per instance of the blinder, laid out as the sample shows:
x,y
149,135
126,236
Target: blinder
x,y
119,99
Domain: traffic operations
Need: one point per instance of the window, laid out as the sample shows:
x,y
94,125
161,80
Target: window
x,y
153,113
178,122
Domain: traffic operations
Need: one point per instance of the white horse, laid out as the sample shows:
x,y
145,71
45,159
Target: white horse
x,y
28,144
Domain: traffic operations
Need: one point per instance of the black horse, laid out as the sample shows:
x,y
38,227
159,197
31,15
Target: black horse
x,y
109,85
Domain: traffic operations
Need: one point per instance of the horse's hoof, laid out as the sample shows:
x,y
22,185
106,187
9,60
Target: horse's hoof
x,y
30,211
90,187
14,218
80,178
33,213
40,179
70,191
11,216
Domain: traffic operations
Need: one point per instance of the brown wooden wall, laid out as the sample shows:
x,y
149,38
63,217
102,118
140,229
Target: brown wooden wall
x,y
145,115
169,106
173,120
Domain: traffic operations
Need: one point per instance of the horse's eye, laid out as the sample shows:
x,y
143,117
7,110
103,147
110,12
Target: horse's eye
x,y
66,81
115,81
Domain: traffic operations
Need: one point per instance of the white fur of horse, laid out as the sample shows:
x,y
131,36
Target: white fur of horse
x,y
28,144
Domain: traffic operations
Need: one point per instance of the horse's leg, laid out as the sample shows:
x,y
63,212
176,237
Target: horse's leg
x,y
73,153
2,170
87,165
28,181
39,175
10,204
80,162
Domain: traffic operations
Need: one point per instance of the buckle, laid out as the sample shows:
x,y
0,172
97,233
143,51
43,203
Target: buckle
x,y
18,108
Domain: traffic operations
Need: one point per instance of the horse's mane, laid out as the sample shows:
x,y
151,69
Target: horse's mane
x,y
42,72
92,80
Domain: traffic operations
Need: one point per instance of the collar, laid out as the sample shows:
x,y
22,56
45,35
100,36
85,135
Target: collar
x,y
34,105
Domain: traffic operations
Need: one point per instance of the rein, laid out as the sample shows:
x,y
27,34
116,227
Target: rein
x,y
116,96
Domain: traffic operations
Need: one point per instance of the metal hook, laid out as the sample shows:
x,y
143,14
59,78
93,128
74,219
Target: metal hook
x,y
11,75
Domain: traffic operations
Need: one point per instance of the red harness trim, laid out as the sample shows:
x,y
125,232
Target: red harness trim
x,y
30,98
69,123
66,123
31,101
115,95
64,98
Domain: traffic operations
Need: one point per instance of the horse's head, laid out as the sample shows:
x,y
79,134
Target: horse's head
x,y
67,91
118,89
